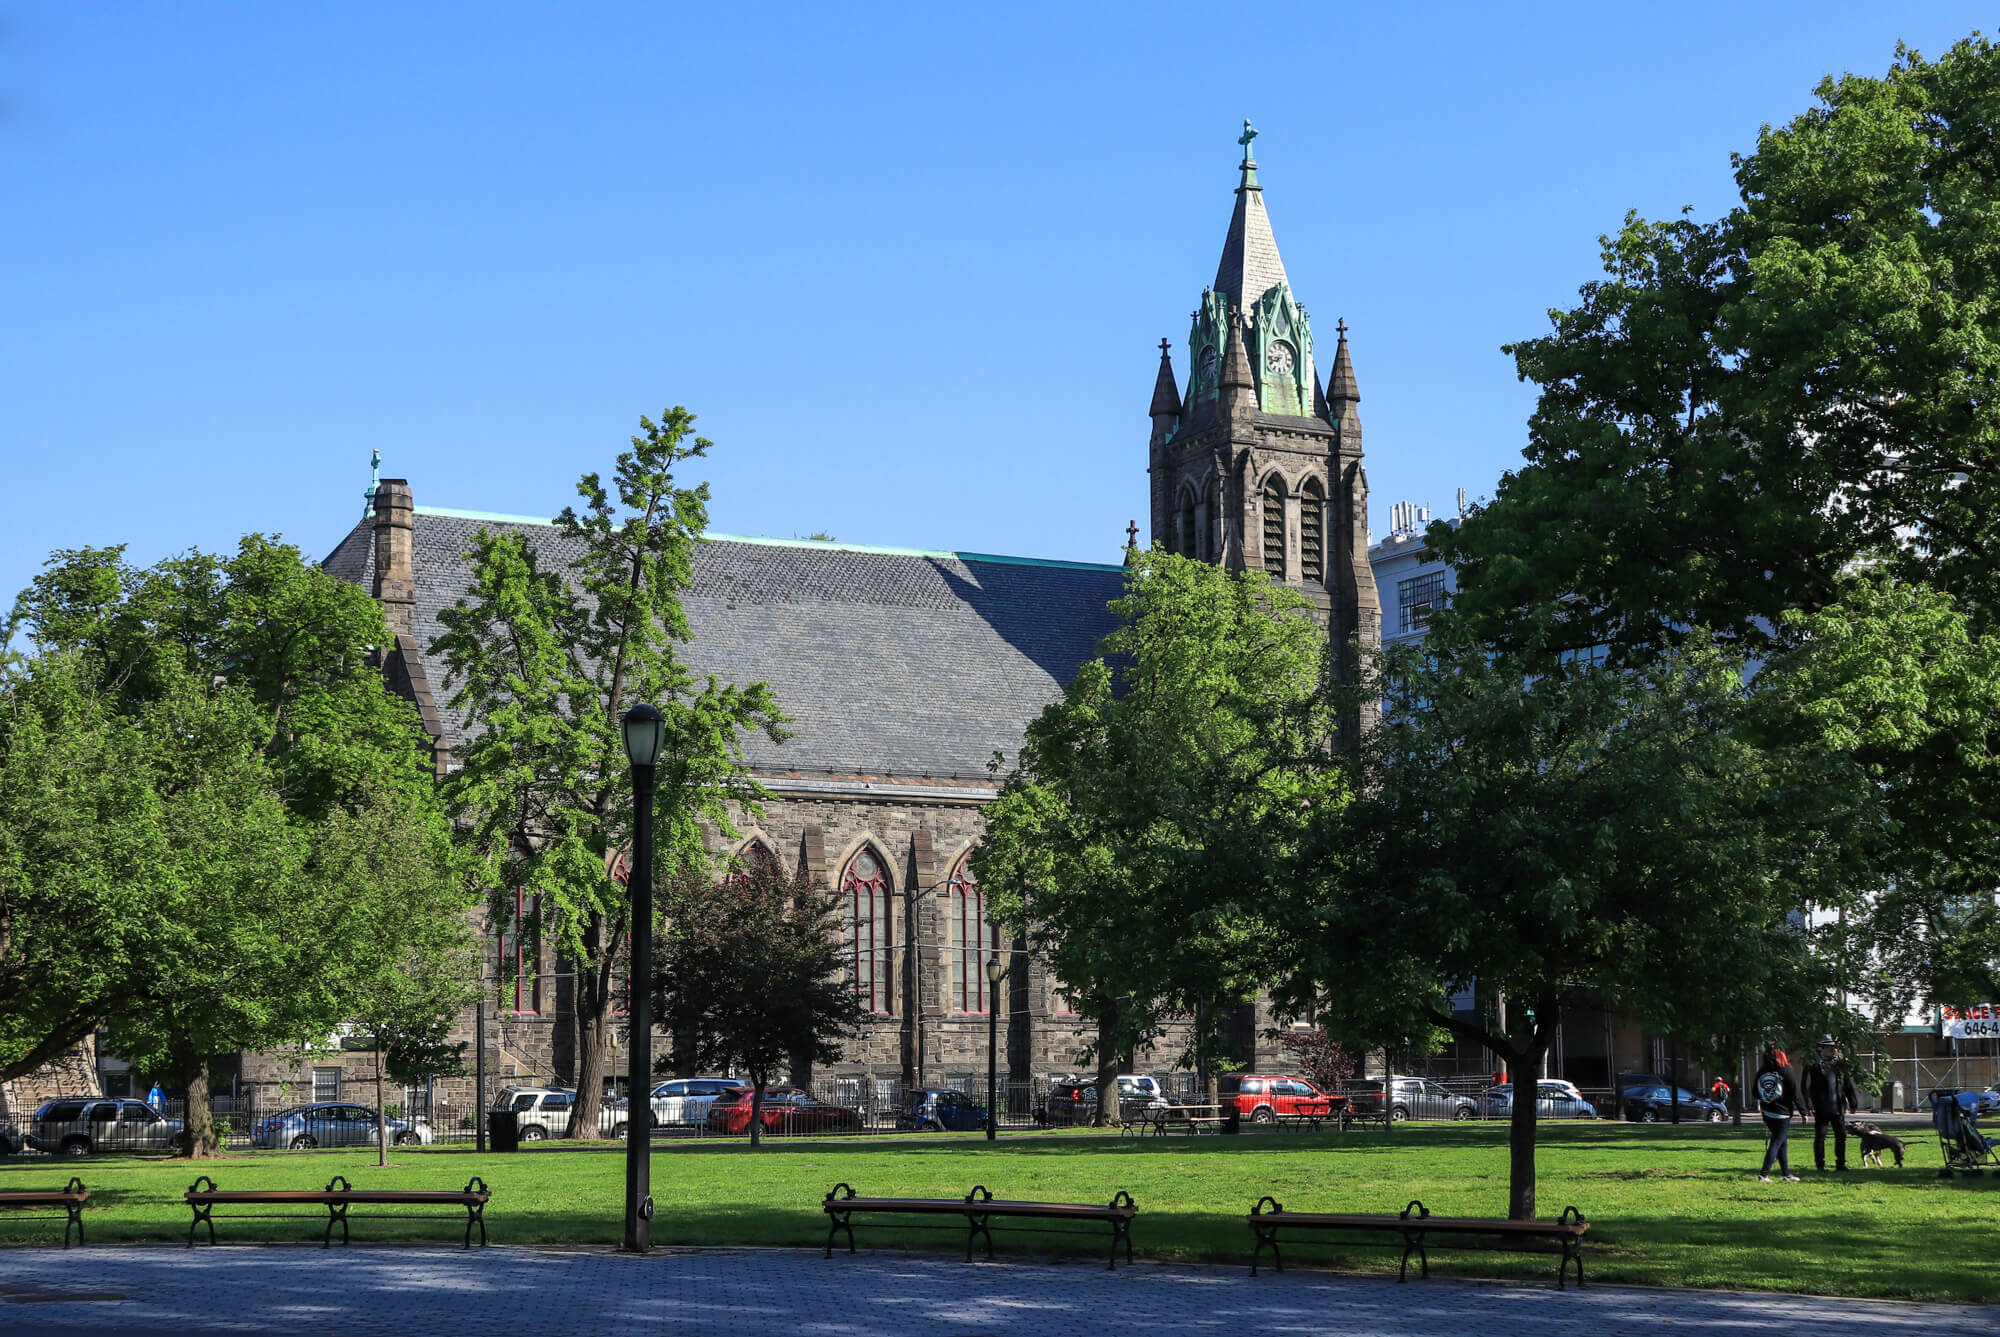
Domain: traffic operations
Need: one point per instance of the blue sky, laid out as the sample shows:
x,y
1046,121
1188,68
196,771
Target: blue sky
x,y
909,264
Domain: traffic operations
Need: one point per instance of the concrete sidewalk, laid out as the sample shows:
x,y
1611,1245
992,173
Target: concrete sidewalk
x,y
783,1293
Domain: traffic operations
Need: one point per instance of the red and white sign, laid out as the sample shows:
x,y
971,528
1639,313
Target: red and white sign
x,y
1981,1021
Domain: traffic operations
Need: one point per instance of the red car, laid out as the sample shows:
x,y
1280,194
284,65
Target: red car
x,y
1269,1099
786,1109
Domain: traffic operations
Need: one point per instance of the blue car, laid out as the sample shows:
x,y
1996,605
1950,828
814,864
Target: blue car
x,y
942,1110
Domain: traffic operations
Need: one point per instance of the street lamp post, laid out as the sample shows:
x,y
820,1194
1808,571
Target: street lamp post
x,y
644,729
995,972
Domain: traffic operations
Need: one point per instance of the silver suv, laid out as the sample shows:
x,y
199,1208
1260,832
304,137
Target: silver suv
x,y
684,1101
78,1126
543,1111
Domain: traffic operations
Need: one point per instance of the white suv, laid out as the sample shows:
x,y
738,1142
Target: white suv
x,y
684,1101
543,1111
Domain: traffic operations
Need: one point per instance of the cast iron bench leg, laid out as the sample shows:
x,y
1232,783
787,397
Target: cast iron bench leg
x,y
204,1212
1572,1252
1121,1229
475,1215
837,1222
1414,1240
977,1222
75,1219
336,1214
1267,1238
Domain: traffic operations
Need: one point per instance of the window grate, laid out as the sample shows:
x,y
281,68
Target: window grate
x,y
1274,529
1312,534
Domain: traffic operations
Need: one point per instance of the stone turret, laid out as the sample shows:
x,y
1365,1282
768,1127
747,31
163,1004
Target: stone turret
x,y
395,555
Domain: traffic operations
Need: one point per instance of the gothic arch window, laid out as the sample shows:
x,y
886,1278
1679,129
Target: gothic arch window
x,y
1274,528
1211,529
755,851
973,939
1185,544
1312,532
867,900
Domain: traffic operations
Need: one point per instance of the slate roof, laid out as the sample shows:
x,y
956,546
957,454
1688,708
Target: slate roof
x,y
1250,265
891,662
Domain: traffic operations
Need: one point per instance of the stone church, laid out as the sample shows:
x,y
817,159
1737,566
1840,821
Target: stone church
x,y
905,671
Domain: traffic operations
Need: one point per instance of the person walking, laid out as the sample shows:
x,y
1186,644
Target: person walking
x,y
1719,1093
1777,1097
1831,1097
155,1098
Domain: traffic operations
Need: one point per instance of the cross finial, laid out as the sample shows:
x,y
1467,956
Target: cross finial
x,y
1247,135
1132,534
1340,326
1164,347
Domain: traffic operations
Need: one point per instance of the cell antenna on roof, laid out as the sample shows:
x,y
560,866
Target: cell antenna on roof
x,y
374,479
1461,503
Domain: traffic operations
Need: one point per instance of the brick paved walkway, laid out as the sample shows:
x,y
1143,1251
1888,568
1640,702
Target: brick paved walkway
x,y
779,1293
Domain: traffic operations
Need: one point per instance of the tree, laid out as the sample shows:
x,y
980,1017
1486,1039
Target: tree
x,y
1152,809
545,661
1319,1056
1591,833
1743,410
239,697
749,975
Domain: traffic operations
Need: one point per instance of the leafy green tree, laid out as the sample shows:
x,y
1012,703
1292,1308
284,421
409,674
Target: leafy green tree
x,y
1589,834
749,974
240,700
1742,410
544,662
1153,808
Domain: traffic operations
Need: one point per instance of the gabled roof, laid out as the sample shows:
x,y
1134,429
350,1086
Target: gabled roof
x,y
891,661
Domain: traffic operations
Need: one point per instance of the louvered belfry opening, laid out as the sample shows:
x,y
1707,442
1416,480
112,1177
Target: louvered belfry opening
x,y
1312,535
1274,529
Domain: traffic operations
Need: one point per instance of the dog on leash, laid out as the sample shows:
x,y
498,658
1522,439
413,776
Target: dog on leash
x,y
1874,1142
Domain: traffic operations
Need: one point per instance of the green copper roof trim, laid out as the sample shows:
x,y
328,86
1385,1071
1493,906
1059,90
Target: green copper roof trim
x,y
499,518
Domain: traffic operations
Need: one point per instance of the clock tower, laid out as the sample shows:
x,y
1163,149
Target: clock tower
x,y
1255,465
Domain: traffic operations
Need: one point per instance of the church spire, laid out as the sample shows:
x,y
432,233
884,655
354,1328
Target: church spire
x,y
1166,393
1250,265
1341,389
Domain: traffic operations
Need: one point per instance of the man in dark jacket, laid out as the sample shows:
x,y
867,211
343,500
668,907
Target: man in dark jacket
x,y
1830,1096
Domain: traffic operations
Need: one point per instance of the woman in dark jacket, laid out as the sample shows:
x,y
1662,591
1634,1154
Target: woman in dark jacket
x,y
1777,1098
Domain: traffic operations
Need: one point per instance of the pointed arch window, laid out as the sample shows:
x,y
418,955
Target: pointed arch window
x,y
867,898
1274,528
1312,532
973,939
1211,535
1186,546
518,972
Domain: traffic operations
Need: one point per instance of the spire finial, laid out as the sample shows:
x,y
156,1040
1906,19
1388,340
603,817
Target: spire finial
x,y
1132,534
1249,164
1164,346
374,481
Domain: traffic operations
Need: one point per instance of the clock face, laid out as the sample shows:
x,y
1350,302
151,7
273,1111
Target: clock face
x,y
1207,366
1280,358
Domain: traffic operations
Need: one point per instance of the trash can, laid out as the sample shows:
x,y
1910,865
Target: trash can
x,y
503,1130
1891,1099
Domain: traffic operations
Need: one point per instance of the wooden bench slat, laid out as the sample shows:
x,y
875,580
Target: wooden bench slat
x,y
337,1197
977,1211
23,1197
1416,1226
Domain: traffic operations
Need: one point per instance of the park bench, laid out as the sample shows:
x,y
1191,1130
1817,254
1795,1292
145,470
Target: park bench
x,y
979,1208
337,1197
70,1198
1419,1229
1162,1119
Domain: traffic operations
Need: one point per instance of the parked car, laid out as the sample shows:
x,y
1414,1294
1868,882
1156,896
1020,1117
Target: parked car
x,y
1989,1100
940,1109
1410,1098
1558,1099
78,1126
11,1140
1266,1100
684,1102
1074,1103
786,1110
334,1124
543,1111
1653,1104
1140,1089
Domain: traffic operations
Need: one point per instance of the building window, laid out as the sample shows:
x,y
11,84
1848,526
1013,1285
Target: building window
x,y
519,976
1274,528
1186,545
1419,597
1312,533
326,1085
972,940
867,894
1062,1002
1212,531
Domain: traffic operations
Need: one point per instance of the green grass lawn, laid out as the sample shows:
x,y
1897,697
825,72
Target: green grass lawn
x,y
1668,1206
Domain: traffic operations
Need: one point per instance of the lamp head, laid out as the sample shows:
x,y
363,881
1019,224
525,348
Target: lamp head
x,y
995,969
644,729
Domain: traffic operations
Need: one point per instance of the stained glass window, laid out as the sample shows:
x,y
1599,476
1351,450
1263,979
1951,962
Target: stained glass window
x,y
972,941
868,894
519,973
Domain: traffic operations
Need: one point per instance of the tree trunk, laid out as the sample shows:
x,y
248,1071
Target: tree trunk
x,y
1107,1068
381,1112
593,1029
757,1109
202,1143
1527,1073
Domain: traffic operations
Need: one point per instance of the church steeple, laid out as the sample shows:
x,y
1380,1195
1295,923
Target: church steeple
x,y
1250,264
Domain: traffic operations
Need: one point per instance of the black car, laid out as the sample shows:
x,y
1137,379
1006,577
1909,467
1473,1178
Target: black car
x,y
1068,1104
942,1110
1655,1104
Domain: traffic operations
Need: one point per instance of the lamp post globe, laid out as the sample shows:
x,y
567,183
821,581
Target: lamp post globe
x,y
644,731
995,970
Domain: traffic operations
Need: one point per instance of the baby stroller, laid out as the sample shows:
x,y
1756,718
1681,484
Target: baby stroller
x,y
1966,1149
